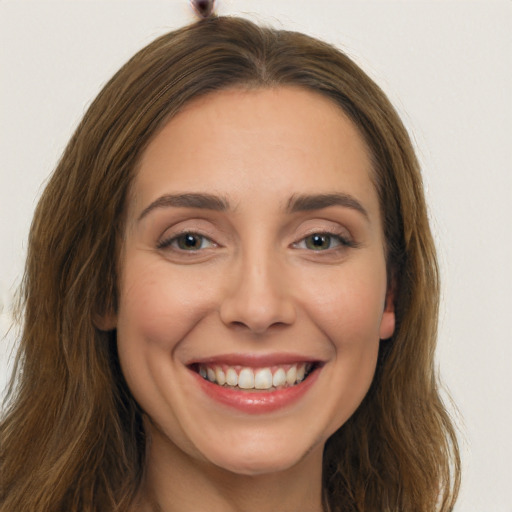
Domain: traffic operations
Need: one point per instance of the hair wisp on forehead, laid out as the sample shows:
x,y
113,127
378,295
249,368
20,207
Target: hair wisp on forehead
x,y
80,446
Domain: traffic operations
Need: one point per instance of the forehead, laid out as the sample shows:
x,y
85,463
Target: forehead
x,y
248,144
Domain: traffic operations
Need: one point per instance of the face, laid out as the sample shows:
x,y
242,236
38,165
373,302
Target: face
x,y
253,290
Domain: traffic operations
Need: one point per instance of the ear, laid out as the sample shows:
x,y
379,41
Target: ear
x,y
105,322
387,323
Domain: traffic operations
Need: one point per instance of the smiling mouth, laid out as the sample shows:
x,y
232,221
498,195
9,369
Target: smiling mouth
x,y
244,378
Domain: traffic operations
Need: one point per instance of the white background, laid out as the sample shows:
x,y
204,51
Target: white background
x,y
446,65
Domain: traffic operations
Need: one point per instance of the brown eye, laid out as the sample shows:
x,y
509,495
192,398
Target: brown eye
x,y
187,242
323,241
320,241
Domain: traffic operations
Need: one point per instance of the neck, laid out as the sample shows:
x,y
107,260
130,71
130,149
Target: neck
x,y
177,482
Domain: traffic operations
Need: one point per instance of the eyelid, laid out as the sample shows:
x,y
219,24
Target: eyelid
x,y
332,230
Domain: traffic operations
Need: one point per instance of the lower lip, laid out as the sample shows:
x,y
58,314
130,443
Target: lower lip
x,y
257,402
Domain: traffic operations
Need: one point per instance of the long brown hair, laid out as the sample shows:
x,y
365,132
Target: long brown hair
x,y
72,436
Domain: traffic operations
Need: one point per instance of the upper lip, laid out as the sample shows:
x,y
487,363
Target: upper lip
x,y
255,360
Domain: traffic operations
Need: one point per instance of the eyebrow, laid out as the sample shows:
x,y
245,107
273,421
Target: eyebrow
x,y
297,203
301,203
202,201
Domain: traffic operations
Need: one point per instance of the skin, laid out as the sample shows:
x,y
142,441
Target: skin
x,y
253,286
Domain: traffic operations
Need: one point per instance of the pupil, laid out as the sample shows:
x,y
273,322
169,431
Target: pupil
x,y
319,241
190,241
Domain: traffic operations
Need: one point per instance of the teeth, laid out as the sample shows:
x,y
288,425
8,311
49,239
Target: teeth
x,y
210,374
279,378
231,377
263,379
291,375
220,376
248,378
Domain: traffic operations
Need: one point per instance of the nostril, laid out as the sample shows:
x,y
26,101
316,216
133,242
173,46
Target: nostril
x,y
258,329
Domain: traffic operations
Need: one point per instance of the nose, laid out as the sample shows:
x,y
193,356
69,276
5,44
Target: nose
x,y
258,297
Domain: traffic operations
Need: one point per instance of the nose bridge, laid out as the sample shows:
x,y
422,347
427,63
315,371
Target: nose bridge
x,y
258,296
259,276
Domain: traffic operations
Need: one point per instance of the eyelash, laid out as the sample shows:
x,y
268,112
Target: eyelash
x,y
342,242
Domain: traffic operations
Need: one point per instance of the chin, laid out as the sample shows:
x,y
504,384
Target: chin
x,y
255,458
258,465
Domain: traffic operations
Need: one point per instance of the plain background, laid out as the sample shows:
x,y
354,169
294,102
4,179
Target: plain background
x,y
446,65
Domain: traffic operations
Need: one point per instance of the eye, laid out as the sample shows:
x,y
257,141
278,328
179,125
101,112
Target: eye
x,y
321,242
187,242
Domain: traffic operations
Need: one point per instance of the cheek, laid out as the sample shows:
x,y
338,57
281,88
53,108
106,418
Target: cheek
x,y
159,305
348,305
349,312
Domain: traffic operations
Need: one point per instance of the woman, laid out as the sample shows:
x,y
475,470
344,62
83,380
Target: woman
x,y
231,285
